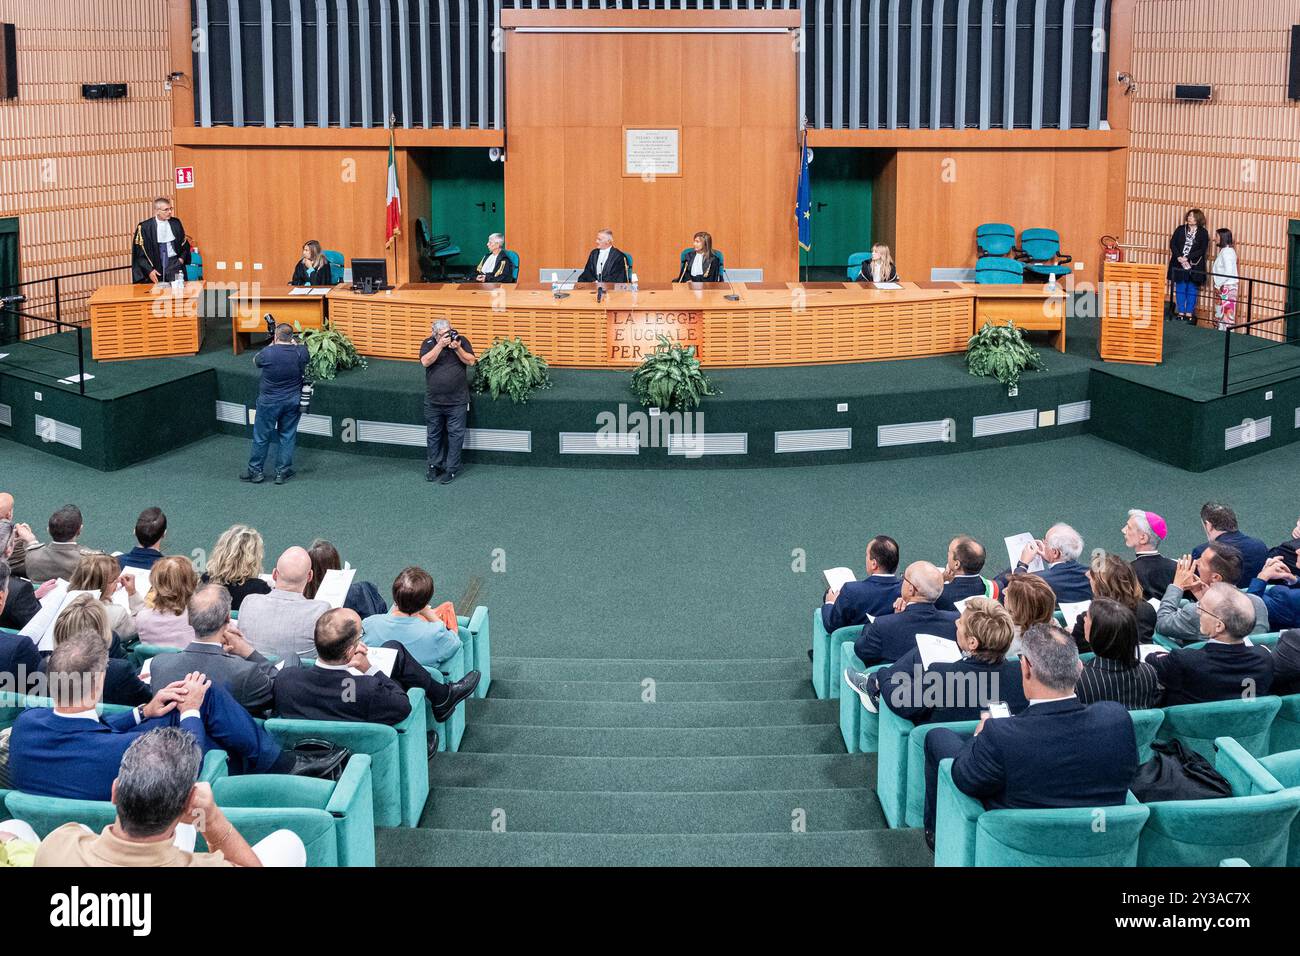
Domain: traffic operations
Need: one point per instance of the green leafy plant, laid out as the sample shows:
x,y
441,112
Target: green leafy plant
x,y
1002,352
670,377
329,352
509,367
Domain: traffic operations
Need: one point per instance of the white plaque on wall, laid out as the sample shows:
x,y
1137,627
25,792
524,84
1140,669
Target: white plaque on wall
x,y
652,152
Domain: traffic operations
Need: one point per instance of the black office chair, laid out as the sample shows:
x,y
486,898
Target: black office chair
x,y
433,252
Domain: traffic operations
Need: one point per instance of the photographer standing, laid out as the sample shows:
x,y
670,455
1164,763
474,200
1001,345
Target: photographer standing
x,y
444,355
279,407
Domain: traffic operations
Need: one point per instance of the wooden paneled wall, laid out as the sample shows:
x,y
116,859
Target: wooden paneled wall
x,y
569,97
1238,156
80,173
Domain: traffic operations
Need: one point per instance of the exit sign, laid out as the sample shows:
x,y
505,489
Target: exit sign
x,y
184,177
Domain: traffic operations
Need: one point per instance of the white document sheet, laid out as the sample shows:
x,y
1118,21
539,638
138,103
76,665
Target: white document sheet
x,y
334,586
382,659
937,650
838,577
1015,544
887,285
1071,612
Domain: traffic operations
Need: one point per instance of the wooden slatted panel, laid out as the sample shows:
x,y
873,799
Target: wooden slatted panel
x,y
138,329
1132,321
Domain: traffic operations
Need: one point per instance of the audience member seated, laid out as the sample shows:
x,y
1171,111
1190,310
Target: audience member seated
x,y
1226,668
1282,600
163,620
363,597
1110,576
1286,550
58,557
1115,673
1218,563
23,603
413,623
103,573
1220,523
891,636
283,622
344,685
1055,753
236,564
150,529
220,651
71,751
6,506
18,843
1143,532
1030,601
961,575
874,595
1060,550
155,793
84,615
18,655
1286,663
957,690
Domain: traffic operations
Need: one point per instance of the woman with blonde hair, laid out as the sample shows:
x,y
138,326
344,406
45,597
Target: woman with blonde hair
x,y
1114,578
165,618
1029,600
880,267
236,564
701,264
313,268
103,573
82,615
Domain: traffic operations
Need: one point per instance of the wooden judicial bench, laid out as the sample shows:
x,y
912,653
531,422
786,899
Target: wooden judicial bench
x,y
302,309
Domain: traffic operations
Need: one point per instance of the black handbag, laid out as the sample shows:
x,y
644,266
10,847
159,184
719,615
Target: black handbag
x,y
329,759
1176,773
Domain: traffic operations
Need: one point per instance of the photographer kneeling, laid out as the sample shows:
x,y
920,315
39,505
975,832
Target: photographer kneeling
x,y
279,404
445,355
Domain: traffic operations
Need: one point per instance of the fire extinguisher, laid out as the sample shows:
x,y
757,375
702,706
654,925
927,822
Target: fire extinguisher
x,y
1110,252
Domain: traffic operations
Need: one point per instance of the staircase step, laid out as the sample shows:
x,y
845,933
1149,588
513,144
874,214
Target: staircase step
x,y
555,668
416,847
658,774
652,741
548,811
665,692
556,713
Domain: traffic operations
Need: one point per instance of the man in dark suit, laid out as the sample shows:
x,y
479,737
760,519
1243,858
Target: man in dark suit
x,y
160,249
1060,550
1287,550
1220,523
873,596
344,685
1286,663
1056,753
1226,668
961,574
21,603
18,656
890,637
1143,532
606,263
1282,600
221,652
150,529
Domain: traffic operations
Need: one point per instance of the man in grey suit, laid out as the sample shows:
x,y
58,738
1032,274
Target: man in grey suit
x,y
221,652
57,558
283,622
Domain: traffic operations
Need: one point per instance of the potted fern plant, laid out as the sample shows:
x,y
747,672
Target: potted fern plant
x,y
1001,351
329,352
670,377
509,367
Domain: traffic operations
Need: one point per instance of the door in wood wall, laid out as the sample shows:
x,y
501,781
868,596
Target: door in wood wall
x,y
8,276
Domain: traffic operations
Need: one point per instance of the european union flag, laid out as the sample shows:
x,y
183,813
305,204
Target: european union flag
x,y
803,203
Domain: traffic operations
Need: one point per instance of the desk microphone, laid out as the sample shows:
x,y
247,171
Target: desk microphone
x,y
600,292
557,291
730,296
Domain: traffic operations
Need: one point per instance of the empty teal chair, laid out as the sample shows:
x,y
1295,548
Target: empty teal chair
x,y
1040,249
1271,774
194,269
335,259
479,656
858,726
968,835
826,678
995,238
399,757
856,262
1251,825
1197,725
1284,735
993,270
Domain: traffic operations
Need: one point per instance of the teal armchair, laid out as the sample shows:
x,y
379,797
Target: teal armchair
x,y
479,656
453,669
968,835
826,676
1272,774
858,726
399,757
1285,732
1197,725
1146,725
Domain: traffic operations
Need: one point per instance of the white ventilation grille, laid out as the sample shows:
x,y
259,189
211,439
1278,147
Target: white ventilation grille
x,y
316,425
390,433
982,426
232,412
600,443
1073,412
49,430
814,439
709,443
498,439
1248,432
1297,418
7,415
916,433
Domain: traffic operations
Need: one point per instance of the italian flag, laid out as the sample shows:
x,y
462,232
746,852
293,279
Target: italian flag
x,y
394,200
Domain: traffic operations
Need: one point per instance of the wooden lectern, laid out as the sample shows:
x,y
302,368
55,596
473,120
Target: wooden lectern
x,y
1132,313
144,321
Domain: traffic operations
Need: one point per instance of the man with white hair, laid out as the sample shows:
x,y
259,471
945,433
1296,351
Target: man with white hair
x,y
1143,532
445,355
496,265
1226,668
1060,549
283,622
891,636
606,263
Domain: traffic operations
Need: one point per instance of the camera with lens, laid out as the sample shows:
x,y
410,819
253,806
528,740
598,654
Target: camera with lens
x,y
452,336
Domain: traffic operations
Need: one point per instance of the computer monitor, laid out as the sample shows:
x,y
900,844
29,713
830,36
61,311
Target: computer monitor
x,y
375,270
